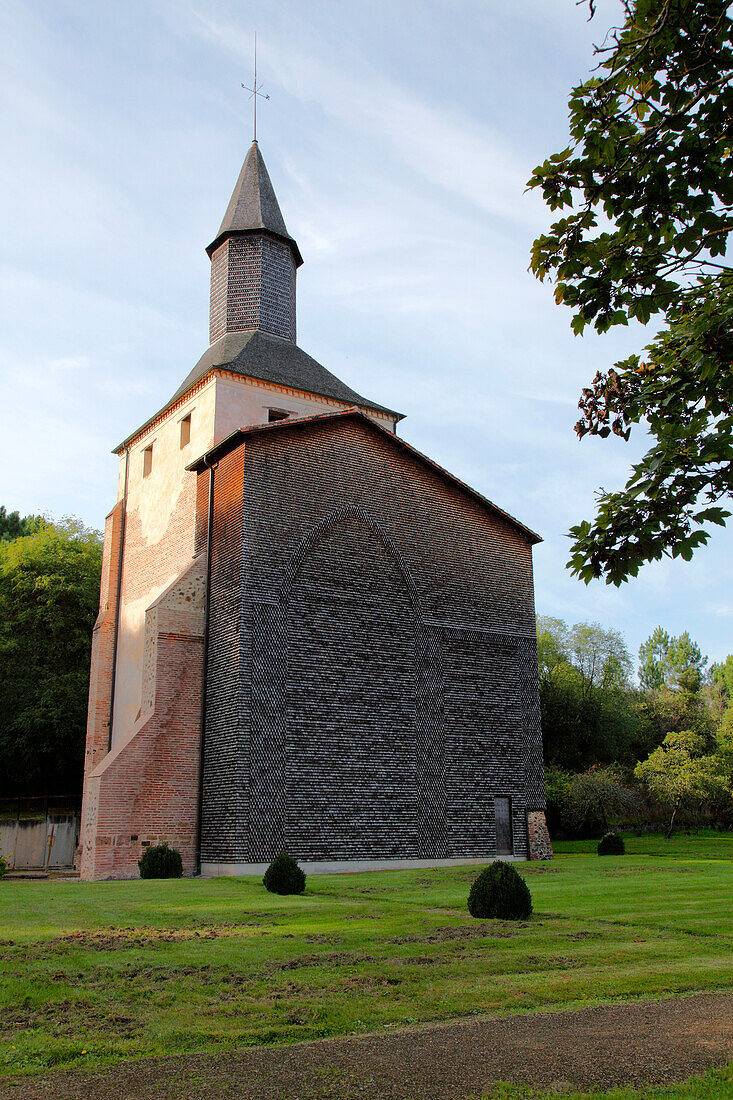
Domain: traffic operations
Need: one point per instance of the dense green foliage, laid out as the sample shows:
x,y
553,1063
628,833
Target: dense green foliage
x,y
500,893
619,753
587,708
646,190
679,769
611,845
49,598
15,526
160,861
284,876
670,662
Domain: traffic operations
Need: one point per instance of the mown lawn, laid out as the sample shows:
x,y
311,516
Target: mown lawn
x,y
715,1085
94,972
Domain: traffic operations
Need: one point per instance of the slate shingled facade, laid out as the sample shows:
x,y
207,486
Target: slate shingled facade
x,y
372,658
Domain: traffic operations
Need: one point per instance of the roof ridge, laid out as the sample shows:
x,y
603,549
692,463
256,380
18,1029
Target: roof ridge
x,y
232,441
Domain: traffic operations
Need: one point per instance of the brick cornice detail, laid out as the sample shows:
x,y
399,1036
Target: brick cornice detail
x,y
219,372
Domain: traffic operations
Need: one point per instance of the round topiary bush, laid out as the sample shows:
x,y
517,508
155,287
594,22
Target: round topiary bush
x,y
160,861
500,892
611,845
284,876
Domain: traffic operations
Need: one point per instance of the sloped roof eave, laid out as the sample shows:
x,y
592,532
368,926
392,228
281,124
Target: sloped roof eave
x,y
214,454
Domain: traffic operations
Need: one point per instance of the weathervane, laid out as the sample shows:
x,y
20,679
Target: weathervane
x,y
254,91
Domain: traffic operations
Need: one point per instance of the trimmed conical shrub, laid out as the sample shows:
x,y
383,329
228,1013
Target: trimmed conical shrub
x,y
611,845
500,892
284,876
160,861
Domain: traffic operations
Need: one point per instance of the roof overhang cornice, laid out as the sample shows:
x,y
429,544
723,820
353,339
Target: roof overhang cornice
x,y
298,424
292,245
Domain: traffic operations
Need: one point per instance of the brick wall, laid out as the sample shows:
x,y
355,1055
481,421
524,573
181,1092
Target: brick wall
x,y
372,671
146,790
103,637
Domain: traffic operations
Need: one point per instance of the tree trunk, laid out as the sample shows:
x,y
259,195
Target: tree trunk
x,y
674,814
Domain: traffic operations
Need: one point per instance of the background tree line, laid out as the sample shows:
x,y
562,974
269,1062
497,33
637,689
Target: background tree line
x,y
619,751
49,598
657,749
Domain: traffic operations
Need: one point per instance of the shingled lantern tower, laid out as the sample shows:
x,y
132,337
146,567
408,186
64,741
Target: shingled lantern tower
x,y
310,636
253,260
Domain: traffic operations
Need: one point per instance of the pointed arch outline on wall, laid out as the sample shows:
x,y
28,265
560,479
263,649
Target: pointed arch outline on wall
x,y
319,532
268,735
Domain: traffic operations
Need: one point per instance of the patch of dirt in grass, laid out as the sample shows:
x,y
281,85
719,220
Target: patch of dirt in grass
x,y
334,958
552,962
114,939
496,930
368,981
68,1018
617,872
580,935
289,989
118,939
375,890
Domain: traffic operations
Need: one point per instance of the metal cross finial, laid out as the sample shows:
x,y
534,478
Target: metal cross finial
x,y
254,91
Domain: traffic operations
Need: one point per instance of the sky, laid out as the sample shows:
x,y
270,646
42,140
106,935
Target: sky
x,y
399,137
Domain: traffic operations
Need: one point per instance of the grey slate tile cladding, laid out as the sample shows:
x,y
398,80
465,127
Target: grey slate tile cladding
x,y
372,657
257,354
252,287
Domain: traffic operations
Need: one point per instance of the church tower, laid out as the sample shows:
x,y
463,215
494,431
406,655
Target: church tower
x,y
311,636
253,260
150,629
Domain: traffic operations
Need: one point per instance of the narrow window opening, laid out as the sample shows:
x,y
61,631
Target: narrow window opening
x,y
276,414
147,460
503,825
186,431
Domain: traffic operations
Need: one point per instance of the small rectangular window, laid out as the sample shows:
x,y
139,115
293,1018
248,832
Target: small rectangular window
x,y
147,460
276,414
186,431
503,826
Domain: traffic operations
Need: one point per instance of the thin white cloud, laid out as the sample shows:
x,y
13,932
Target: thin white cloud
x,y
464,157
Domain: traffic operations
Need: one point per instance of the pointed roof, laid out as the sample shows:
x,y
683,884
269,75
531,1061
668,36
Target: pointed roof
x,y
267,358
258,354
253,206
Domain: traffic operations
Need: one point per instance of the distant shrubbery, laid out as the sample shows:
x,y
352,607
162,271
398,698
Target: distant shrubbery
x,y
284,876
160,861
611,845
649,756
500,892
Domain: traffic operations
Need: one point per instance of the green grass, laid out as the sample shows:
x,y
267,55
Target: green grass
x,y
94,972
715,1085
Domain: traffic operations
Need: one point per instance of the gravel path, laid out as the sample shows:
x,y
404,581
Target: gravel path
x,y
638,1043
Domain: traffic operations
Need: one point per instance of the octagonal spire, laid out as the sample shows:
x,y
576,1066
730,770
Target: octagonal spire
x,y
253,206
